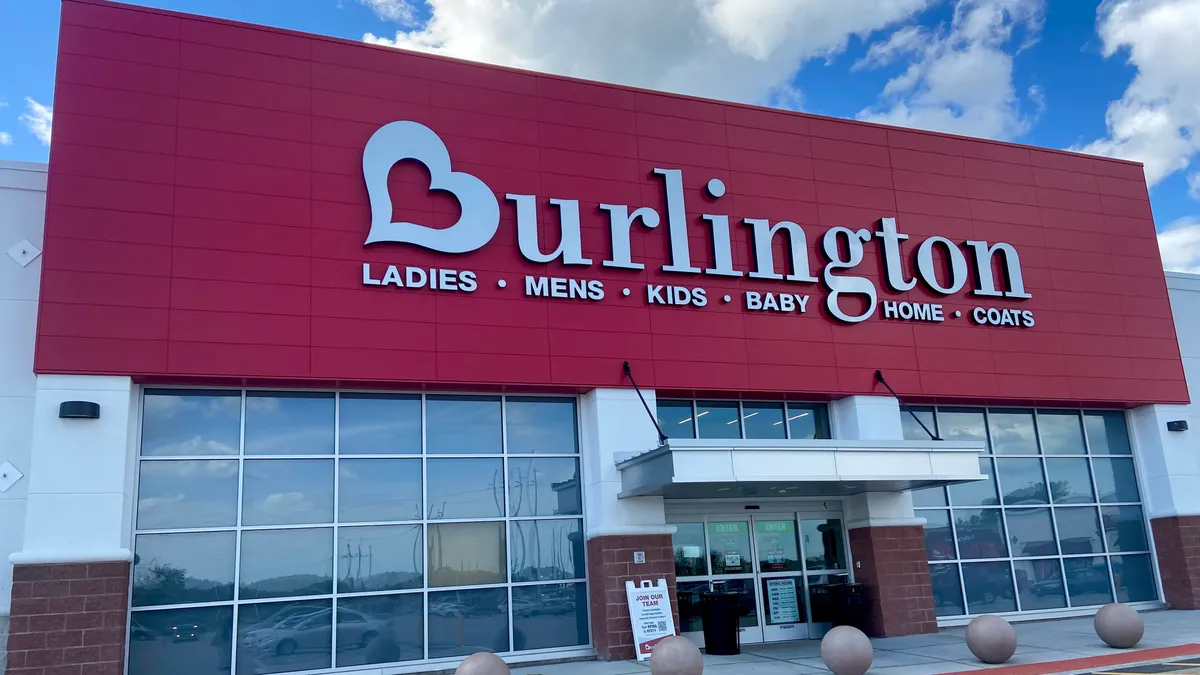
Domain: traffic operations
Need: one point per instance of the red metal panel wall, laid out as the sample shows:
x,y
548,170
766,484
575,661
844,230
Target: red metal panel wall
x,y
207,215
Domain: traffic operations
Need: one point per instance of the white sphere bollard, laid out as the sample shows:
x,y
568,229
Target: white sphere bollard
x,y
847,651
482,663
1119,625
676,655
991,639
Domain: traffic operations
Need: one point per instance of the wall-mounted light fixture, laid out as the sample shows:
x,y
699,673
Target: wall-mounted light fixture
x,y
79,410
1177,425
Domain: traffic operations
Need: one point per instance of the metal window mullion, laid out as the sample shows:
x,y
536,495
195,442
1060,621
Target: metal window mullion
x,y
237,554
424,529
333,561
504,511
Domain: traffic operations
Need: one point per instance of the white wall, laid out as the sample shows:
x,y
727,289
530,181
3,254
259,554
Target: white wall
x,y
22,216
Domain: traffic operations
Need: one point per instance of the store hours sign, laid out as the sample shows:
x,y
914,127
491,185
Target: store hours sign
x,y
850,296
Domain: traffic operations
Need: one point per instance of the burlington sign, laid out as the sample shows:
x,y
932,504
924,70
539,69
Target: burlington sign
x,y
843,248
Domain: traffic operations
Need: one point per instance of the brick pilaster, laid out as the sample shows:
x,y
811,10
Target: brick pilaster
x,y
68,619
895,570
1177,543
610,565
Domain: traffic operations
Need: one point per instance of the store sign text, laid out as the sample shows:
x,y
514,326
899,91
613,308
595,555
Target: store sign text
x,y
843,248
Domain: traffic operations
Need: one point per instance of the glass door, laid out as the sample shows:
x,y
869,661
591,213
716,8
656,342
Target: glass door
x,y
781,579
731,559
826,563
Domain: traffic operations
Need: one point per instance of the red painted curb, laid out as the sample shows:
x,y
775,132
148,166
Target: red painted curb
x,y
1089,662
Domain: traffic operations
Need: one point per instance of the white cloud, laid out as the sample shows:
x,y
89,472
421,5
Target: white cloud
x,y
5,138
960,77
38,120
742,50
1179,245
1193,181
1157,120
400,11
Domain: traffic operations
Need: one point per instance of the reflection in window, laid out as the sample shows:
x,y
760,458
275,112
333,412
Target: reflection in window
x,y
1061,432
947,590
546,550
1106,432
763,420
298,423
182,423
961,424
462,425
1070,481
977,493
281,563
552,615
379,424
1031,532
1124,529
1079,530
466,554
688,545
913,431
379,490
277,637
1115,480
989,587
1022,481
1040,584
980,534
180,569
939,537
287,491
676,419
807,421
690,603
379,558
380,629
729,547
548,486
718,419
1134,578
823,544
929,497
778,550
465,488
464,622
160,640
1087,581
542,425
187,494
1012,432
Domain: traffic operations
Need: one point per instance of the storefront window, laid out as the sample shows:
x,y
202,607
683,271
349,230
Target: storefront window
x,y
751,420
283,531
1058,523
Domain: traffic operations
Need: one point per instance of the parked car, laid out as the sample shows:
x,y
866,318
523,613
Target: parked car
x,y
185,632
139,633
311,632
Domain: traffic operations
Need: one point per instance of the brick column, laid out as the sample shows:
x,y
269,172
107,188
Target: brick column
x,y
610,565
1177,543
69,619
895,571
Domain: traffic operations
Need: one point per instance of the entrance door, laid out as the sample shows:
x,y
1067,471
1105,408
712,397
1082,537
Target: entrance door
x,y
779,564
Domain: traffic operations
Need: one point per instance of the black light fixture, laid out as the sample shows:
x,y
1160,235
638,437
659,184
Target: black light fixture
x,y
1177,425
79,410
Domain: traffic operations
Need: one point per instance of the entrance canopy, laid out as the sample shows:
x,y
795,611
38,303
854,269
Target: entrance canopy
x,y
708,468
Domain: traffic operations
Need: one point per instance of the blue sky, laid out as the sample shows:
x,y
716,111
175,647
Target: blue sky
x,y
1113,77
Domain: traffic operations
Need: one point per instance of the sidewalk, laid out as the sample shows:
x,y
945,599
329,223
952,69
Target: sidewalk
x,y
1066,645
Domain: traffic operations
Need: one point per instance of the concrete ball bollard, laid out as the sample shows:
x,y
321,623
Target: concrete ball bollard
x,y
482,663
1119,625
991,639
676,655
847,651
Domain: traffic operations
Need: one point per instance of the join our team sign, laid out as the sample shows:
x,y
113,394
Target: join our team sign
x,y
650,614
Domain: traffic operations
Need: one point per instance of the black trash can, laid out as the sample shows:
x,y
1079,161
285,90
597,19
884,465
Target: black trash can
x,y
720,614
849,605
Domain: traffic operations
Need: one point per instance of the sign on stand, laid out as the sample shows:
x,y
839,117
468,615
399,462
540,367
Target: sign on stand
x,y
650,615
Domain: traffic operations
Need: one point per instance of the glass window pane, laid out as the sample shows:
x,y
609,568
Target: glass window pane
x,y
929,497
961,424
1012,432
912,428
466,554
465,488
547,550
1040,584
379,424
379,490
201,637
287,492
1115,479
807,421
1070,481
980,534
379,558
783,600
675,418
277,637
183,494
818,595
1079,530
688,545
823,548
462,425
178,569
718,419
178,423
547,616
763,420
380,629
548,486
1106,432
1134,578
989,587
282,563
289,423
939,537
1061,432
1022,481
1087,581
545,425
778,548
465,622
689,592
981,492
947,590
1124,529
729,547
1030,532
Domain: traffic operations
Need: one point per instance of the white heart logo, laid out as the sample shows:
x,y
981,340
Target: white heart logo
x,y
399,141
